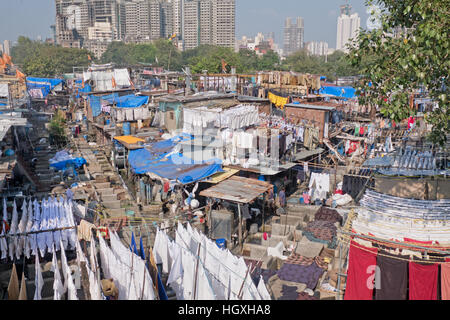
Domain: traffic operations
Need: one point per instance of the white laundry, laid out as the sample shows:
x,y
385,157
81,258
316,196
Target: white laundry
x,y
262,289
58,286
13,241
3,242
38,281
21,229
277,251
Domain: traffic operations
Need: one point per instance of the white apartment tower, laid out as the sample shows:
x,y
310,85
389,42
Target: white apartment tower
x,y
317,48
208,22
347,27
224,23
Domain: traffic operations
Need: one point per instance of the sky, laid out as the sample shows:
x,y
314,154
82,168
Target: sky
x,y
33,18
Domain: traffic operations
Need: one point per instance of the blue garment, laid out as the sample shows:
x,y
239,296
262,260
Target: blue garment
x,y
161,291
133,247
142,250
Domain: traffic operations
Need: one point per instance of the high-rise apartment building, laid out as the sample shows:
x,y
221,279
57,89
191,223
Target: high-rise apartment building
x,y
6,47
317,48
191,24
208,22
93,24
293,35
224,23
347,27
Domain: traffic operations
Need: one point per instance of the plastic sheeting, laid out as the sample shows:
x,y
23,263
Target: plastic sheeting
x,y
343,92
76,162
174,167
3,90
128,101
103,79
159,159
45,84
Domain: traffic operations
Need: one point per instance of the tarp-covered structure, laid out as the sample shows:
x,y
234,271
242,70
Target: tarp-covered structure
x,y
45,85
63,160
342,92
162,160
128,101
103,80
96,102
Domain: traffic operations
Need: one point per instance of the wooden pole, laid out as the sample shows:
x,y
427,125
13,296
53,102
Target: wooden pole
x,y
196,272
240,227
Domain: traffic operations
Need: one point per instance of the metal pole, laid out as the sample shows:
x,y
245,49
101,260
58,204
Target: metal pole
x,y
339,277
240,227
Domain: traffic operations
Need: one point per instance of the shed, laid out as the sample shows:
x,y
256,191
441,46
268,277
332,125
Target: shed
x,y
317,114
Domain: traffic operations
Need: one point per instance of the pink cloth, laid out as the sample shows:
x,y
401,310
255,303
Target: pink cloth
x,y
306,198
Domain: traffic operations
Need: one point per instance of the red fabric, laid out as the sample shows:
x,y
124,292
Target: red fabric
x,y
166,186
361,131
417,241
423,280
339,192
358,274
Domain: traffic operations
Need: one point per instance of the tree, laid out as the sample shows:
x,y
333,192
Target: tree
x,y
410,52
46,60
269,61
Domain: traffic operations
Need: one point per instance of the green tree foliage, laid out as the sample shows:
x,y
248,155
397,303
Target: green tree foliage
x,y
410,52
57,134
44,60
161,52
335,65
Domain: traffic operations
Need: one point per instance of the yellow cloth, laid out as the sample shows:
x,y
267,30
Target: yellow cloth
x,y
278,101
129,139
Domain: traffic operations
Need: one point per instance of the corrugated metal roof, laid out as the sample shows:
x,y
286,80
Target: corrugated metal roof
x,y
310,106
219,177
237,189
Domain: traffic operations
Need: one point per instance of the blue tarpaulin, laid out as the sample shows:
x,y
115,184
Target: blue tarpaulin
x,y
77,162
79,85
128,101
156,159
96,104
45,84
343,92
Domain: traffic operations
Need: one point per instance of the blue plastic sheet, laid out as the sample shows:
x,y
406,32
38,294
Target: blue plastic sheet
x,y
128,101
45,84
62,165
343,92
96,103
155,159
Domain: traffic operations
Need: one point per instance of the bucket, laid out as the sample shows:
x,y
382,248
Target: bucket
x,y
221,243
126,129
107,121
253,228
302,201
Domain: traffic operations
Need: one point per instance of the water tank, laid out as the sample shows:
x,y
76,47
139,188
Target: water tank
x,y
126,127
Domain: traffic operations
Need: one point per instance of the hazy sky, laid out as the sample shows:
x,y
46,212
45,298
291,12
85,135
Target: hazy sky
x,y
34,17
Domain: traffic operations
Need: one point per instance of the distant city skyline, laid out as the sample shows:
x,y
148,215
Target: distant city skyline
x,y
33,18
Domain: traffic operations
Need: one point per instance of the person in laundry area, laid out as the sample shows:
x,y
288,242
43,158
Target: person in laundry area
x,y
282,197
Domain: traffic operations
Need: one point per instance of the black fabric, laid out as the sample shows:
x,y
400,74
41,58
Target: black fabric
x,y
393,282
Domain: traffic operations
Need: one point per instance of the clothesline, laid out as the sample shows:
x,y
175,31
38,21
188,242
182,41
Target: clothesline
x,y
34,232
394,244
393,256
